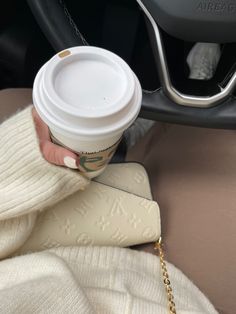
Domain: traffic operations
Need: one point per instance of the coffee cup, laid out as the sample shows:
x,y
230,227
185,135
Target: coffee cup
x,y
88,97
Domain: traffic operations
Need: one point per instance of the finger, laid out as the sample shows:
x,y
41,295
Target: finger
x,y
41,127
59,155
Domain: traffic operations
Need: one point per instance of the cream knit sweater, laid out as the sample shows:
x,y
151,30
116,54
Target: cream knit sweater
x,y
75,279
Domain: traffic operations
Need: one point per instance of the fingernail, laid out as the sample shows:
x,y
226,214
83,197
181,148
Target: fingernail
x,y
70,162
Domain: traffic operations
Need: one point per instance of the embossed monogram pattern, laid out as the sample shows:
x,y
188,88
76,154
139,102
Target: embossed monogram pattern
x,y
102,214
84,239
129,177
102,223
49,243
67,226
134,221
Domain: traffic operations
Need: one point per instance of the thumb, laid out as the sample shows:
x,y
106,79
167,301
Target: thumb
x,y
59,155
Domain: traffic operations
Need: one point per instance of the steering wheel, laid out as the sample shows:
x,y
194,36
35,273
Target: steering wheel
x,y
185,19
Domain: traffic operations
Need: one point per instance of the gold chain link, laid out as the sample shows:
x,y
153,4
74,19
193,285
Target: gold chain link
x,y
166,280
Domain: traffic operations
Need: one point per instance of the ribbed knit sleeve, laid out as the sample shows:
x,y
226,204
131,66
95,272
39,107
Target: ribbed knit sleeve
x,y
28,183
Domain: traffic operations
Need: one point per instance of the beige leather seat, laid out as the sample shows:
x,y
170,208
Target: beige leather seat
x,y
193,177
13,99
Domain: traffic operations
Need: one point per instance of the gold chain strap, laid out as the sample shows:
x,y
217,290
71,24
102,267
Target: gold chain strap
x,y
166,280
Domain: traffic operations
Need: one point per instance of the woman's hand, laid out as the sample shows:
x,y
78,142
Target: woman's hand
x,y
51,152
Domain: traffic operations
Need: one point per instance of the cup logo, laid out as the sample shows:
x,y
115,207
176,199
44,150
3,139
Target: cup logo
x,y
95,161
90,162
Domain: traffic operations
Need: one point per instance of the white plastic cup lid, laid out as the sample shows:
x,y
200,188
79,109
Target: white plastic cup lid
x,y
88,92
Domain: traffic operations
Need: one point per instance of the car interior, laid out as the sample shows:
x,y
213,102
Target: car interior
x,y
155,38
38,29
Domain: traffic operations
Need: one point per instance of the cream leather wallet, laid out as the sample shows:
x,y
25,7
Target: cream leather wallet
x,y
115,210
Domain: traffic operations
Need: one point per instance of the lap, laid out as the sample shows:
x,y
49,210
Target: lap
x,y
193,178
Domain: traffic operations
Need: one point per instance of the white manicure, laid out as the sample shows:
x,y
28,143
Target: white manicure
x,y
70,162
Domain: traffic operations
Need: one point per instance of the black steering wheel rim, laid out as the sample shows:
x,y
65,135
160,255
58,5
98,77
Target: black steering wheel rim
x,y
62,32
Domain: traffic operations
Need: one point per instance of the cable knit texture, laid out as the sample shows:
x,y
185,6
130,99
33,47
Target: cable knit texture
x,y
28,183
